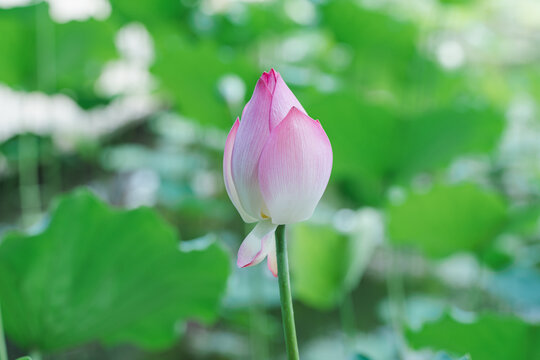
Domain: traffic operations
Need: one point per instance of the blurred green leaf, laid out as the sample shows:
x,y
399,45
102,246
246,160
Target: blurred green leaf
x,y
81,51
432,139
364,139
18,69
70,55
366,30
189,74
524,221
447,219
102,274
255,24
25,358
375,146
496,258
489,337
325,265
398,72
151,13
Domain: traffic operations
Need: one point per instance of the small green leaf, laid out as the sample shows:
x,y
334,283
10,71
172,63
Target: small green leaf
x,y
98,273
447,219
325,265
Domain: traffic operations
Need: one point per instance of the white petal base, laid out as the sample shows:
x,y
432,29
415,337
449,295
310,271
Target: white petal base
x,y
259,243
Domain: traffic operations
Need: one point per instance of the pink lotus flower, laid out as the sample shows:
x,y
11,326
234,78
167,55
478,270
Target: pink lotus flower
x,y
276,166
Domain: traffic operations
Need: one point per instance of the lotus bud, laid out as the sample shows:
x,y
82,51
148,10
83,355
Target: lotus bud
x,y
276,166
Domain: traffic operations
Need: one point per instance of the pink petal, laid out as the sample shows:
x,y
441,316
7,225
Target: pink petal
x,y
282,100
255,246
252,135
294,168
272,259
269,79
227,174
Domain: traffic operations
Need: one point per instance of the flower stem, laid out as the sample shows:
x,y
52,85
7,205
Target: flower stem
x,y
287,312
3,348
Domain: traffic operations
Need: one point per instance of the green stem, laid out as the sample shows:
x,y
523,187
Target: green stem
x,y
28,178
3,348
348,320
287,312
396,297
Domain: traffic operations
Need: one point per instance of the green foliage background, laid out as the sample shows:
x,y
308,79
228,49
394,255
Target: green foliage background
x,y
112,127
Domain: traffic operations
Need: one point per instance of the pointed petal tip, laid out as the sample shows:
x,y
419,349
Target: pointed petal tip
x,y
295,111
255,246
263,83
296,114
242,264
269,78
272,259
271,72
272,267
233,129
248,254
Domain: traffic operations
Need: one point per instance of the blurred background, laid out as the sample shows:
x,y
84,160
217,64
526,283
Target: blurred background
x,y
424,247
